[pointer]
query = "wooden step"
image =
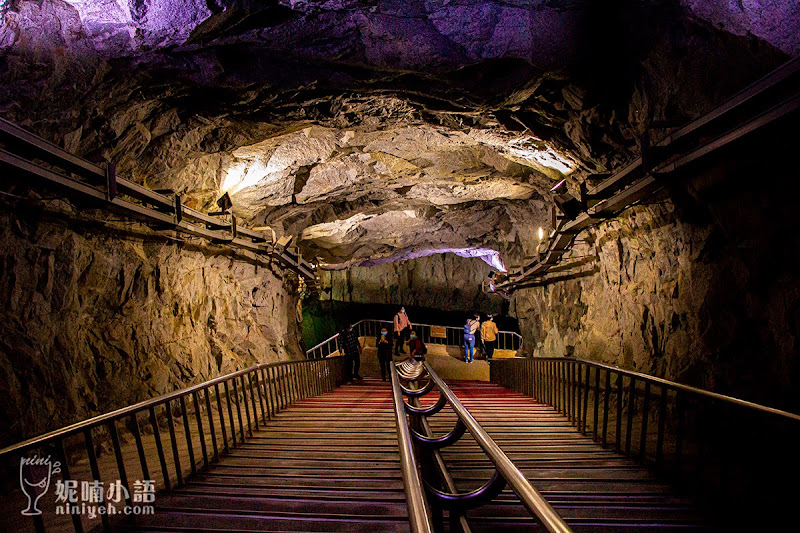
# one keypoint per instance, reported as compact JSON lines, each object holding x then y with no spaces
{"x":331,"y":463}
{"x":328,"y":463}
{"x":593,"y":488}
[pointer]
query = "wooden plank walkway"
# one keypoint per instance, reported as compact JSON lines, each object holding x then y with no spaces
{"x":593,"y":488}
{"x":80,"y":471}
{"x":330,"y":463}
{"x":326,"y":463}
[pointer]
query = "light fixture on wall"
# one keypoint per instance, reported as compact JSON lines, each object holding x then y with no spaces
{"x":544,"y":243}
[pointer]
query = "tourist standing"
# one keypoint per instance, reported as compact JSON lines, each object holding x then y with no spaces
{"x":469,"y":340}
{"x":489,"y":335}
{"x":352,"y":353}
{"x":476,"y":330}
{"x":402,"y":330}
{"x":384,"y":345}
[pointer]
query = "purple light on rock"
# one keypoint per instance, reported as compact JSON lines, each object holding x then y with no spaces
{"x":489,"y":256}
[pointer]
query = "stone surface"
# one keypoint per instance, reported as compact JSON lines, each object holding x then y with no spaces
{"x":700,"y":288}
{"x":441,"y":281}
{"x":775,"y":21}
{"x":91,"y":321}
{"x":315,"y":115}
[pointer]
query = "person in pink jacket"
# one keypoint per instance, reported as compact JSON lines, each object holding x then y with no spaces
{"x":402,"y":329}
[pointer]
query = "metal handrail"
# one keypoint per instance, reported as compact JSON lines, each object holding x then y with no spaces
{"x":360,"y":325}
{"x":720,"y":448}
{"x":680,"y":386}
{"x":419,"y":512}
{"x":329,"y":339}
{"x":640,"y":177}
{"x":252,"y":396}
{"x":438,"y":461}
{"x":99,"y":420}
{"x":530,"y":497}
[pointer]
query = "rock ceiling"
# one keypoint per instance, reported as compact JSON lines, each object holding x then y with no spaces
{"x":371,"y":130}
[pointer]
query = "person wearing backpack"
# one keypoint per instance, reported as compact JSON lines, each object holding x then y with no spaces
{"x":469,"y":339}
{"x":476,"y":330}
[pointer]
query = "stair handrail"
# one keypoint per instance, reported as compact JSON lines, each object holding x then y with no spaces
{"x":258,"y":393}
{"x":717,"y":447}
{"x":370,"y":327}
{"x":680,"y":386}
{"x":99,"y":420}
{"x":419,"y":513}
{"x":531,"y":498}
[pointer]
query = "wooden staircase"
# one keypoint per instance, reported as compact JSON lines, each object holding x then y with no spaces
{"x":593,"y":488}
{"x":286,"y":447}
{"x":330,"y":463}
{"x":326,"y":463}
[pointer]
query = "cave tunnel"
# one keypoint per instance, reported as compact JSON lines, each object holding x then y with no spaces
{"x":208,"y":206}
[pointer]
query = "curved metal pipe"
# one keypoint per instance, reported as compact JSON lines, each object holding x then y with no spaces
{"x":530,"y":497}
{"x":459,"y":520}
{"x":468,"y":500}
{"x":416,"y":393}
{"x":419,"y":512}
{"x":428,"y":411}
{"x":445,"y":440}
{"x":410,"y":370}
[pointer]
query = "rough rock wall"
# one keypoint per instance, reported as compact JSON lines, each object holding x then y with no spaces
{"x":91,"y":320}
{"x":700,"y":288}
{"x":775,"y":21}
{"x":475,"y":29}
{"x":442,"y":281}
{"x":339,"y":165}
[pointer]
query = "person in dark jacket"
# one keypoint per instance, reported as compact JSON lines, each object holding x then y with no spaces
{"x":384,"y":345}
{"x":416,"y":346}
{"x":352,"y":353}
